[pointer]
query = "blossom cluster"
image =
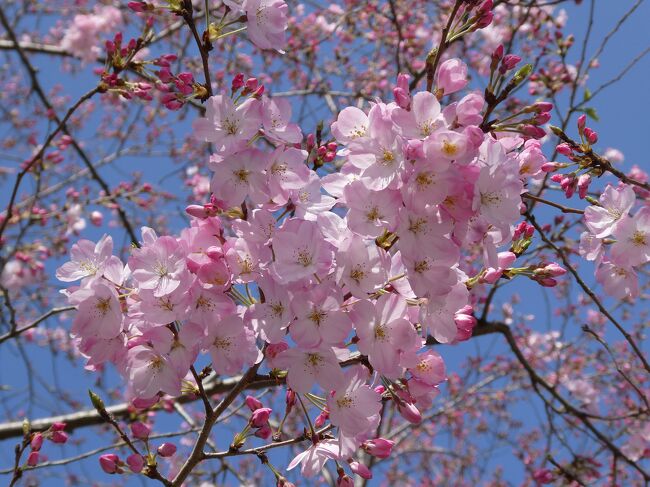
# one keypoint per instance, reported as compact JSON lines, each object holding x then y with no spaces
{"x":627,"y":238}
{"x":310,"y":269}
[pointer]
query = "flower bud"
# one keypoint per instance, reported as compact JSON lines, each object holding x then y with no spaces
{"x":554,"y":269}
{"x":583,"y":185}
{"x":260,"y":417}
{"x":452,"y":76}
{"x":402,"y":98}
{"x":379,"y":447}
{"x":32,"y":459}
{"x":582,"y":121}
{"x":264,"y":432}
{"x":290,"y":399}
{"x":145,"y":403}
{"x":166,"y":449}
{"x":532,"y":131}
{"x":491,"y":275}
{"x":135,"y":463}
{"x":140,"y":430}
{"x":361,"y":470}
{"x":253,"y":403}
{"x":542,"y":107}
{"x":109,"y":463}
{"x":591,"y":135}
{"x":37,"y":441}
{"x":409,"y":412}
{"x":96,"y":218}
{"x":237,"y":81}
{"x":321,"y":419}
{"x":59,"y":437}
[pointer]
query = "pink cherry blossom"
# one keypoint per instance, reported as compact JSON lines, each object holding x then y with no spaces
{"x":267,"y":21}
{"x":452,"y":76}
{"x":227,"y":126}
{"x":309,"y":366}
{"x":616,"y":203}
{"x":276,"y":116}
{"x":632,"y":246}
{"x":362,"y":266}
{"x":421,"y":120}
{"x":300,"y":251}
{"x":231,"y":345}
{"x":386,"y":336}
{"x":353,"y":406}
{"x":160,"y":265}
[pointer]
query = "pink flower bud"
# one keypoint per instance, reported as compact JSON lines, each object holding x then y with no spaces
{"x":582,"y":121}
{"x":96,"y":218}
{"x":311,"y":141}
{"x":509,"y":62}
{"x":197,"y":211}
{"x":541,"y":118}
{"x":402,"y":98}
{"x":486,"y":6}
{"x":264,"y":432}
{"x":144,"y":402}
{"x":140,"y":430}
{"x":109,"y":463}
{"x":380,"y":389}
{"x":321,"y":418}
{"x":260,"y":417}
{"x":532,"y":131}
{"x":253,"y":403}
{"x":251,"y":84}
{"x":465,"y":323}
{"x":557,"y":178}
{"x":409,"y":412}
{"x":498,"y":53}
{"x":452,"y":76}
{"x":554,"y":269}
{"x":492,"y":275}
{"x":530,"y":230}
{"x":543,"y":476}
{"x":547,"y":282}
{"x":237,"y":81}
{"x":32,"y":459}
{"x":135,"y":463}
{"x":591,"y":135}
{"x":166,"y":449}
{"x":59,"y":426}
{"x":549,"y":166}
{"x":290,"y":399}
{"x":542,"y":107}
{"x":484,"y":20}
{"x":37,"y":441}
{"x":506,"y":259}
{"x":361,"y":470}
{"x":59,"y":437}
{"x":583,"y":185}
{"x":137,"y":6}
{"x":379,"y":447}
{"x":329,"y":156}
{"x":332,"y":146}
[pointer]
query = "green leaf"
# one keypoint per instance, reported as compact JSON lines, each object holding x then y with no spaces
{"x":591,"y":113}
{"x":587,"y":95}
